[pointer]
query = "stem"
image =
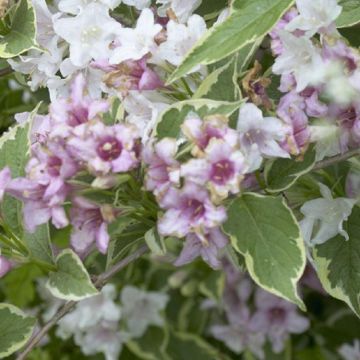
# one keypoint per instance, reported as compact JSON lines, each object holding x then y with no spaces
{"x":99,"y":283}
{"x":6,"y":71}
{"x":335,"y":159}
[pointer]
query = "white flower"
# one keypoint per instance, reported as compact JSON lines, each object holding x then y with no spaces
{"x":259,"y":136}
{"x":136,"y":43}
{"x":141,"y":309}
{"x":326,"y":136}
{"x":326,"y":215}
{"x":89,"y":34}
{"x":181,"y":8}
{"x":143,"y":111}
{"x":42,"y":66}
{"x":139,"y":4}
{"x":94,"y":324}
{"x":44,"y":23}
{"x":180,"y":39}
{"x":102,"y":339}
{"x":301,"y":58}
{"x":74,"y":7}
{"x":314,"y":15}
{"x":350,"y":352}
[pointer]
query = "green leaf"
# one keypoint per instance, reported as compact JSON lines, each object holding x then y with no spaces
{"x":352,"y":35}
{"x":71,"y":281}
{"x":19,"y":284}
{"x":14,"y":152}
{"x":350,"y":14}
{"x":265,"y":231}
{"x":182,"y":344}
{"x":170,"y":121}
{"x":15,"y":328}
{"x":152,"y":345}
{"x":155,"y":242}
{"x":221,"y":84}
{"x":23,"y":31}
{"x":39,"y":244}
{"x":249,"y":20}
{"x":281,"y":174}
{"x":338,"y":263}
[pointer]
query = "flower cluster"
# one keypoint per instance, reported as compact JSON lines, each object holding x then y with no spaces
{"x":69,"y":141}
{"x":192,"y":182}
{"x":271,"y":319}
{"x":319,"y":78}
{"x":96,"y":323}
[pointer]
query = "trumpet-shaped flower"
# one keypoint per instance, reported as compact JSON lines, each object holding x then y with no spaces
{"x":350,"y":352}
{"x":89,"y":223}
{"x":105,"y":149}
{"x":130,"y":75}
{"x":325,"y":215}
{"x":182,"y":9}
{"x":78,"y":109}
{"x":138,"y":42}
{"x":315,"y":16}
{"x":277,"y":318}
{"x":180,"y":39}
{"x":189,"y":210}
{"x":301,"y":58}
{"x":163,"y":169}
{"x":207,"y":247}
{"x":200,"y":132}
{"x":142,"y":309}
{"x":89,"y":34}
{"x":261,"y":133}
{"x":221,"y":169}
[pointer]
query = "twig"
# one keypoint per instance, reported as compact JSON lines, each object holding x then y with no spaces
{"x":6,"y":71}
{"x":99,"y":283}
{"x":335,"y":159}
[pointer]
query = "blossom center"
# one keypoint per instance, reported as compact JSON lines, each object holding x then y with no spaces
{"x":195,"y":208}
{"x":348,"y":117}
{"x":222,"y":171}
{"x":109,"y":148}
{"x":277,"y":315}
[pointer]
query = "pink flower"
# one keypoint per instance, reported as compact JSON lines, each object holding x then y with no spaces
{"x":202,"y":131}
{"x":44,"y":190}
{"x":5,"y":178}
{"x":277,"y":318}
{"x":207,"y":247}
{"x":5,"y":266}
{"x":291,"y":109}
{"x":37,"y":208}
{"x":342,"y":52}
{"x":105,"y":149}
{"x":89,"y":223}
{"x":222,"y":169}
{"x":189,"y":210}
{"x":79,"y":109}
{"x":163,"y":169}
{"x":130,"y":75}
{"x":276,"y":43}
{"x":349,"y":121}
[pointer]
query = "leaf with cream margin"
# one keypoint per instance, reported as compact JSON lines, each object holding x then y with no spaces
{"x":248,"y":21}
{"x":71,"y":281}
{"x":16,"y":329}
{"x":264,"y":230}
{"x":338,"y":263}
